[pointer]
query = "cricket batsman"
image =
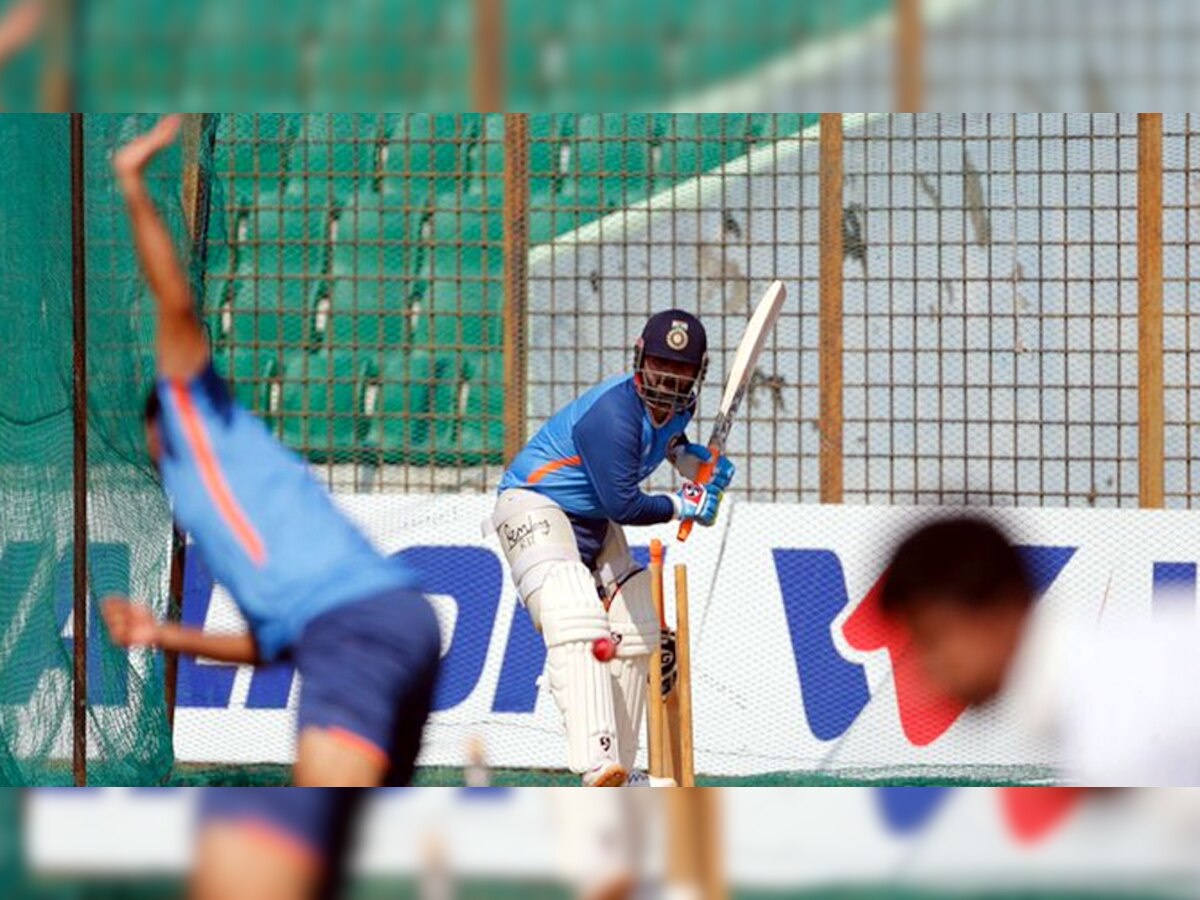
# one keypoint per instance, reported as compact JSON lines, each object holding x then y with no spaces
{"x":559,"y":517}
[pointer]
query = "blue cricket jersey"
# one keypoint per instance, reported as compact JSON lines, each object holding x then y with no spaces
{"x":592,"y":456}
{"x":267,"y":530}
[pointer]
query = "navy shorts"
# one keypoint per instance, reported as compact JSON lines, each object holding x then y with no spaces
{"x":315,"y":825}
{"x":368,"y":671}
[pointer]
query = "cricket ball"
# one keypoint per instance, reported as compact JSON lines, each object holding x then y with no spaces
{"x":603,"y":649}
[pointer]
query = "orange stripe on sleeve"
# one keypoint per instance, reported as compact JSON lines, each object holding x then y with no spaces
{"x":553,"y":466}
{"x":214,"y":479}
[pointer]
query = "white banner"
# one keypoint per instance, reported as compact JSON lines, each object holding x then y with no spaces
{"x":791,"y":665}
{"x":807,"y":837}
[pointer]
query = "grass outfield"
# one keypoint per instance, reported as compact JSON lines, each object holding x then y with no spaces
{"x":484,"y":889}
{"x":272,"y":775}
{"x":448,"y":776}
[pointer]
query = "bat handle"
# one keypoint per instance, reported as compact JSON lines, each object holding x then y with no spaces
{"x":703,"y":476}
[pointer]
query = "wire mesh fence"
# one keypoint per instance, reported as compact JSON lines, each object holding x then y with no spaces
{"x":1181,"y":366}
{"x":992,"y":309}
{"x":356,"y":291}
{"x":353,"y":289}
{"x":404,"y":299}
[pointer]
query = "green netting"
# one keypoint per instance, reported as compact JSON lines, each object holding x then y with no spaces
{"x":128,"y":520}
{"x":35,"y":441}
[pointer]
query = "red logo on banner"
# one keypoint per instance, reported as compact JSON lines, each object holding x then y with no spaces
{"x":925,"y":712}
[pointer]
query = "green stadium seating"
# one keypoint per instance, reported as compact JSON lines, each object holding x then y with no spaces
{"x":479,"y":433}
{"x":547,"y":221}
{"x":373,"y":50}
{"x":268,"y":311}
{"x":457,"y":297}
{"x":374,"y":235}
{"x":691,"y":144}
{"x":250,"y":153}
{"x":424,"y":154}
{"x":331,"y":155}
{"x":370,"y":279}
{"x":485,"y":159}
{"x":284,"y":233}
{"x":282,"y":256}
{"x":545,"y":151}
{"x":626,"y":73}
{"x":608,"y":162}
{"x":322,"y":412}
{"x":252,"y":374}
{"x":411,"y":383}
{"x":769,"y":126}
{"x":219,"y":256}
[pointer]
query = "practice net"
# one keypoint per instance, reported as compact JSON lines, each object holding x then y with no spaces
{"x":353,"y":276}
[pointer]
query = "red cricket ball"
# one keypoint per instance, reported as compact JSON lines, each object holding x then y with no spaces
{"x":603,"y":649}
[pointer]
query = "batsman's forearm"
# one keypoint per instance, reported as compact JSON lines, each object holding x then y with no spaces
{"x":645,"y":509}
{"x":235,"y":648}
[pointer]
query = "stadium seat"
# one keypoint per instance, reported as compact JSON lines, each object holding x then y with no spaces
{"x":253,"y":376}
{"x":284,"y":233}
{"x":331,"y":155}
{"x":250,"y":152}
{"x":485,"y":159}
{"x":282,"y":252}
{"x":625,"y":73}
{"x":545,"y":156}
{"x":547,"y":221}
{"x":719,"y":45}
{"x":607,"y":161}
{"x":225,"y":52}
{"x":401,"y":424}
{"x":413,"y":50}
{"x":374,"y":234}
{"x":322,"y":409}
{"x":690,"y":144}
{"x":479,"y":433}
{"x":424,"y":156}
{"x":457,"y":297}
{"x":219,"y":255}
{"x":370,"y":280}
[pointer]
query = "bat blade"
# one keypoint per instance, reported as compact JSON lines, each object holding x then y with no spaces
{"x":758,"y":331}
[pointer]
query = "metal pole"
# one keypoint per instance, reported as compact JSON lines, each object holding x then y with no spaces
{"x":79,"y":553}
{"x":1150,"y":311}
{"x":909,"y":81}
{"x":830,"y":327}
{"x":487,"y":77}
{"x":516,"y":264}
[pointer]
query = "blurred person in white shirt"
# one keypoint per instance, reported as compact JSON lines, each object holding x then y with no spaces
{"x":1119,"y":698}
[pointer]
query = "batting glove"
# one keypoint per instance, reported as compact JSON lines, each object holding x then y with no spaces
{"x":697,"y":502}
{"x":688,"y":458}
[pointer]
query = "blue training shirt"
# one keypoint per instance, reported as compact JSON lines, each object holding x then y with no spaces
{"x":592,"y":456}
{"x":268,"y":531}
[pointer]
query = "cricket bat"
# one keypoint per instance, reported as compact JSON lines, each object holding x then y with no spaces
{"x":753,"y":341}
